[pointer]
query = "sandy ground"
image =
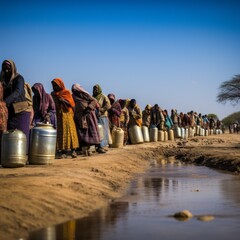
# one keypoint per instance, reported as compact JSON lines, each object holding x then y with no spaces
{"x":33,"y":197}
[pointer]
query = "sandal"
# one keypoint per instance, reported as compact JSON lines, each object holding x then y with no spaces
{"x":74,"y":154}
{"x":64,"y":155}
{"x":101,"y":150}
{"x":89,"y":153}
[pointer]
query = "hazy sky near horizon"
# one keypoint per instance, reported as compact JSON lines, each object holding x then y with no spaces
{"x":174,"y":53}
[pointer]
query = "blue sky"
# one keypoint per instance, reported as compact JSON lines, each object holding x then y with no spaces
{"x":174,"y":53}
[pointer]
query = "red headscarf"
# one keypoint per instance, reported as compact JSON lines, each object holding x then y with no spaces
{"x":64,"y":93}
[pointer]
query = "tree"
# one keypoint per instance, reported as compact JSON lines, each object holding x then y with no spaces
{"x":232,"y":118}
{"x":230,"y":91}
{"x":212,"y":115}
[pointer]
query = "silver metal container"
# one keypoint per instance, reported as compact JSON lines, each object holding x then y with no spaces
{"x":42,"y":144}
{"x":177,"y":132}
{"x":135,"y":134}
{"x":14,"y":146}
{"x":183,"y":133}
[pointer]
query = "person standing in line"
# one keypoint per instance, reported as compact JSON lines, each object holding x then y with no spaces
{"x":114,"y":112}
{"x":135,"y":114}
{"x":124,"y":119}
{"x":200,"y":120}
{"x":185,"y":120}
{"x":174,"y":117}
{"x":168,"y":120}
{"x":67,"y":139}
{"x":14,"y":97}
{"x":181,"y":117}
{"x":102,"y":114}
{"x":192,"y":119}
{"x":218,"y":124}
{"x":157,"y":118}
{"x":146,"y":116}
{"x":211,"y":123}
{"x":43,"y":106}
{"x":85,"y":118}
{"x":205,"y":122}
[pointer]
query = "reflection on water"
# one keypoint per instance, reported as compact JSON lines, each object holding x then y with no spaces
{"x":90,"y":227}
{"x":144,"y":212}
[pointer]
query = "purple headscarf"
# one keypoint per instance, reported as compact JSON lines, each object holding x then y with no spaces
{"x":43,"y":100}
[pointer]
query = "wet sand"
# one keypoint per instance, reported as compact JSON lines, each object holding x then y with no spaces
{"x":34,"y":197}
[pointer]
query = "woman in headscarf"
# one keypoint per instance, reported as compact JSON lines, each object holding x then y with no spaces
{"x":124,"y":119}
{"x":14,"y":97}
{"x":146,"y":116}
{"x":43,"y":106}
{"x":3,"y":116}
{"x":135,"y":114}
{"x":157,"y":118}
{"x":175,"y":118}
{"x":102,"y":114}
{"x":85,"y":118}
{"x":168,"y":120}
{"x":67,"y":138}
{"x":114,"y":112}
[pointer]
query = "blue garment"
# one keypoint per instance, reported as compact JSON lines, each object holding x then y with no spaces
{"x":168,"y":122}
{"x":14,"y":92}
{"x":103,"y":120}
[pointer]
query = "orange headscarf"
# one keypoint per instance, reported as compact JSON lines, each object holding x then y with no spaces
{"x":64,"y":93}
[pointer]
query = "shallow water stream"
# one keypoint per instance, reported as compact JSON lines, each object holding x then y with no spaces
{"x":145,"y":212}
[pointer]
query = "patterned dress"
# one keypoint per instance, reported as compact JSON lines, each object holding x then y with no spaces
{"x":66,"y":129}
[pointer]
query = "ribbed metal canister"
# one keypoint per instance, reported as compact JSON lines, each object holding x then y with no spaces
{"x":14,"y":146}
{"x":42,"y":144}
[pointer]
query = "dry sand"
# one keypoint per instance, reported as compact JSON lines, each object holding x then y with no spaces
{"x":34,"y":197}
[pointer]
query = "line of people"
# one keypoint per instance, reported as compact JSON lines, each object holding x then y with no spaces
{"x":156,"y":117}
{"x":76,"y":114}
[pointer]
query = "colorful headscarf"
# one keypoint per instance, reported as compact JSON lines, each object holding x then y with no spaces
{"x":97,"y":95}
{"x":111,"y":96}
{"x":64,"y":93}
{"x":43,"y":102}
{"x":81,"y":93}
{"x":77,"y":87}
{"x":122,"y":103}
{"x":14,"y":71}
{"x":148,"y":107}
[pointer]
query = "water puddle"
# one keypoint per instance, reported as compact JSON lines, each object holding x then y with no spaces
{"x":144,"y":213}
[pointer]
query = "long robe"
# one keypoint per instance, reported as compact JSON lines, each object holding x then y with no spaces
{"x":86,"y":121}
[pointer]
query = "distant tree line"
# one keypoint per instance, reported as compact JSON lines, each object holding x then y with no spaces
{"x":231,"y":119}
